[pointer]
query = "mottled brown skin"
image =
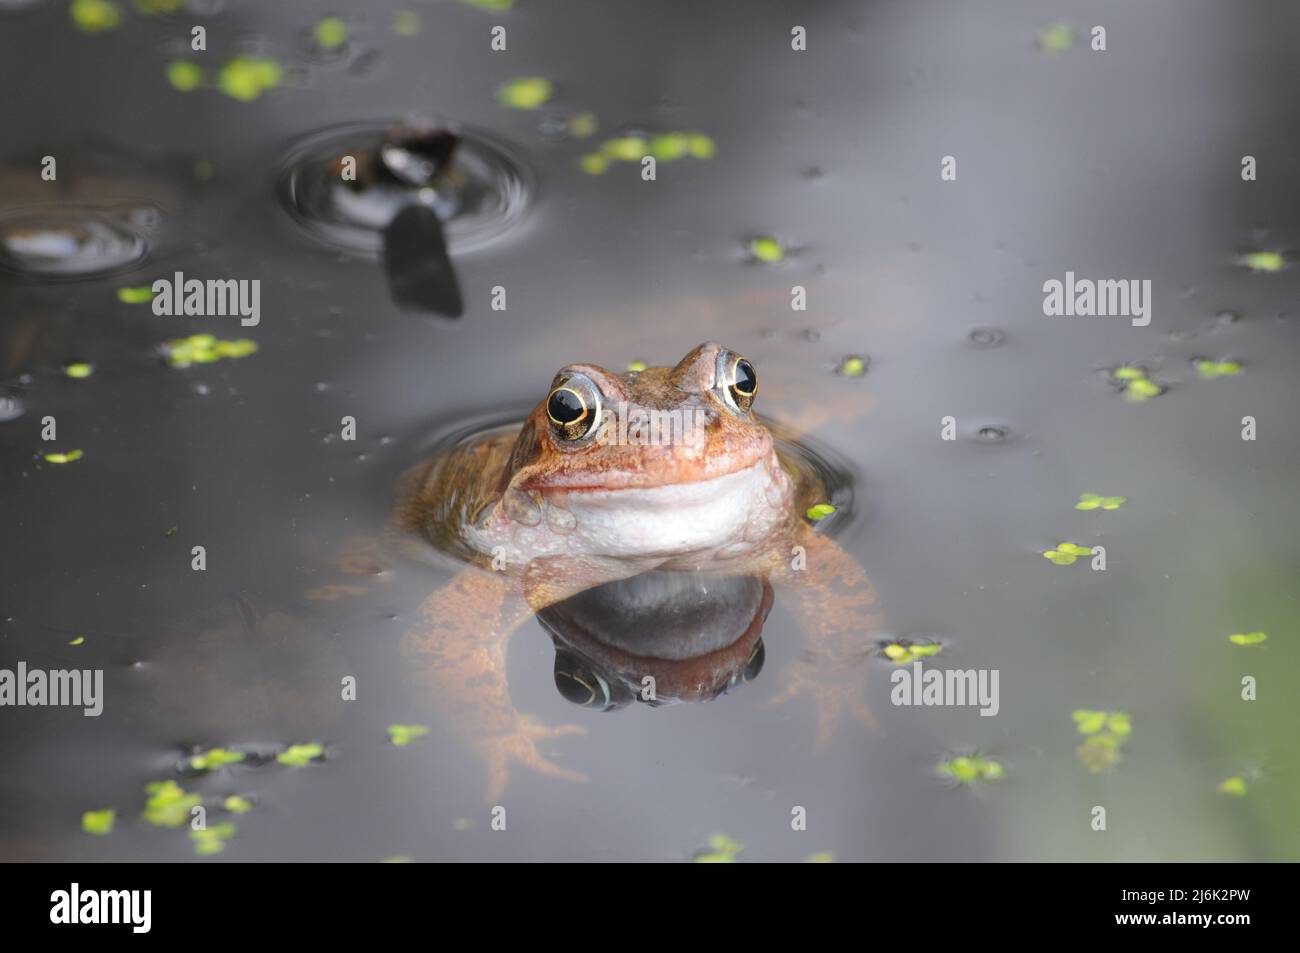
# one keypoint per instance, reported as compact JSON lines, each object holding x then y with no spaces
{"x":474,"y":488}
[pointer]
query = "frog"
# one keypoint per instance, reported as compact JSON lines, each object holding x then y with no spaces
{"x":664,"y":469}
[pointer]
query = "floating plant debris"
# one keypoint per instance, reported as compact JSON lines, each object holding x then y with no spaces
{"x":594,"y":164}
{"x":138,"y":295}
{"x":330,"y":33}
{"x":300,"y":755}
{"x":215,"y":758}
{"x":95,"y":16}
{"x":820,"y":511}
{"x":70,"y":456}
{"x":99,"y":822}
{"x":1248,"y":638}
{"x":213,"y":840}
{"x":721,"y":850}
{"x":1136,"y":385}
{"x":664,"y":146}
{"x":79,"y":371}
{"x":1234,"y":786}
{"x":492,"y":6}
{"x":1105,"y":733}
{"x":531,"y":92}
{"x":406,"y":23}
{"x":79,"y":640}
{"x":204,"y":349}
{"x":583,"y":125}
{"x":184,"y":75}
{"x":1263,"y":261}
{"x":237,"y":805}
{"x":904,"y":652}
{"x":820,"y":857}
{"x":168,"y":804}
{"x":1211,"y":369}
{"x":402,"y":735}
{"x":1066,"y":553}
{"x":853,"y":366}
{"x":247,"y":77}
{"x":766,"y":249}
{"x":156,"y":7}
{"x":1093,"y":501}
{"x":636,"y":367}
{"x":1056,"y":38}
{"x":969,"y":769}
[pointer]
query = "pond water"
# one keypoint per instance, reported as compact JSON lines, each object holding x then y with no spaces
{"x":1122,"y":164}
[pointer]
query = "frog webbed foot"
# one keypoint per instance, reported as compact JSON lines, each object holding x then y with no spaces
{"x":834,"y":693}
{"x":520,"y":745}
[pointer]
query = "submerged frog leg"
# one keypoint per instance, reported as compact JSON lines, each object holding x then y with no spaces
{"x":460,"y":647}
{"x":837,"y":612}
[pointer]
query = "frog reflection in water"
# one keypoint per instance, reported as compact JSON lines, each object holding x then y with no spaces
{"x":585,"y":494}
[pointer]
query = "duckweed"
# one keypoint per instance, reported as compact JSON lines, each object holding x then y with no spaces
{"x":766,"y":249}
{"x":1211,"y":369}
{"x":1093,"y":501}
{"x":904,"y":653}
{"x":1105,"y":733}
{"x":594,"y":164}
{"x":299,"y":755}
{"x":245,"y":78}
{"x":185,"y":76}
{"x":852,"y":366}
{"x":95,"y":16}
{"x":583,"y":125}
{"x":969,"y":769}
{"x":820,"y":857}
{"x":330,"y":33}
{"x":215,"y":759}
{"x":213,"y":840}
{"x":79,"y":640}
{"x":168,"y":804}
{"x":1248,"y":638}
{"x":1056,"y":38}
{"x":140,"y":295}
{"x":1066,"y":553}
{"x":99,"y":822}
{"x":820,"y":511}
{"x":402,"y":735}
{"x":1267,"y":261}
{"x":204,"y":349}
{"x":79,"y":371}
{"x":406,"y":23}
{"x":1234,"y":786}
{"x":636,"y":367}
{"x":721,"y":850}
{"x":70,"y":457}
{"x":531,"y":92}
{"x":237,"y":805}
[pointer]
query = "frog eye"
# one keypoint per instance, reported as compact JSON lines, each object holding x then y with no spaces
{"x":738,"y":381}
{"x":573,"y":408}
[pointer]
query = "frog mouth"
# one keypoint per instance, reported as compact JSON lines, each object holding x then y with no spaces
{"x":651,"y":472}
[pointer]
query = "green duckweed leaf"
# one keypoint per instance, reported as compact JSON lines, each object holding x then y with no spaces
{"x":402,"y":735}
{"x":531,"y":92}
{"x":99,"y":823}
{"x":300,"y":755}
{"x":1248,"y":638}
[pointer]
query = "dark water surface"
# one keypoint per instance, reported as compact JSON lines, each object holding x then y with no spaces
{"x":1122,"y":164}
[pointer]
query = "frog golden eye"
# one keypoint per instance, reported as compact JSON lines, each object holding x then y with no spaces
{"x":738,"y":380}
{"x":573,"y":407}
